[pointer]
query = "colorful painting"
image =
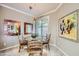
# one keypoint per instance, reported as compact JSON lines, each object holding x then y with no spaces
{"x":28,"y":28}
{"x":68,"y":26}
{"x":11,"y":27}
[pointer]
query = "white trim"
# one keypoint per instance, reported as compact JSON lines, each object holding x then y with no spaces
{"x":52,"y":11}
{"x":31,"y":14}
{"x":8,"y":47}
{"x":16,"y":10}
{"x":59,"y":49}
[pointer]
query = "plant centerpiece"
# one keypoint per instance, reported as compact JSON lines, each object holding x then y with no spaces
{"x":33,"y":35}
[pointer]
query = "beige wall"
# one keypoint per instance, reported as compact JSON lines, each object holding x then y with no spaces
{"x":52,"y":27}
{"x":69,"y":47}
{"x":1,"y":41}
{"x":7,"y":41}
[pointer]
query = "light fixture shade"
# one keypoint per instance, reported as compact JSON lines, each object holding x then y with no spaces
{"x":34,"y":18}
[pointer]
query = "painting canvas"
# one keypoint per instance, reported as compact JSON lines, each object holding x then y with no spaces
{"x":28,"y":28}
{"x":11,"y":27}
{"x":68,"y":26}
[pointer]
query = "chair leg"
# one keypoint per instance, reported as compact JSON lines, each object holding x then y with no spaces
{"x":41,"y":52}
{"x":19,"y":48}
{"x":48,"y":46}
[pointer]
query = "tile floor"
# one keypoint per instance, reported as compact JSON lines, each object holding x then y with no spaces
{"x":14,"y":52}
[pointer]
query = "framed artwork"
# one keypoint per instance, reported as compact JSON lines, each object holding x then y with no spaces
{"x":28,"y":28}
{"x":68,"y":26}
{"x":11,"y":27}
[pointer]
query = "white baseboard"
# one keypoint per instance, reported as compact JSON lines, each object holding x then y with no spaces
{"x":59,"y":49}
{"x":8,"y":47}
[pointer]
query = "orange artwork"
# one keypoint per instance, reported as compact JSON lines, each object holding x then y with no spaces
{"x":68,"y":26}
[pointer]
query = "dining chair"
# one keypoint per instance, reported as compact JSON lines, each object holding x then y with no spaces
{"x":22,"y":43}
{"x":47,"y":42}
{"x":35,"y":48}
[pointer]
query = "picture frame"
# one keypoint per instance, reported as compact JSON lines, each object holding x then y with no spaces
{"x":28,"y":28}
{"x":11,"y":27}
{"x":68,"y":26}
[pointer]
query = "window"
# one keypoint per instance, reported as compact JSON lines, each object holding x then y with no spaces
{"x":42,"y":27}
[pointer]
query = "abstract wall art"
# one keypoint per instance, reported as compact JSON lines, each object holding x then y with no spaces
{"x":68,"y":26}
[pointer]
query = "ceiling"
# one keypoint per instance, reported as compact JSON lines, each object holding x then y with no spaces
{"x":37,"y":8}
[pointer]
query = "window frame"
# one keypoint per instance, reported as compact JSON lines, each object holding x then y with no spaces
{"x":41,"y":19}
